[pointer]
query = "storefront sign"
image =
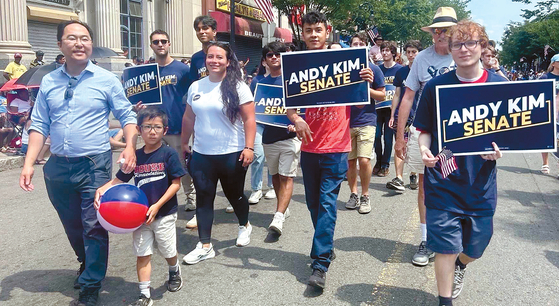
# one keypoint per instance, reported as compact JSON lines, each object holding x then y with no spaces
{"x":240,"y":10}
{"x":518,"y":116}
{"x":62,"y":2}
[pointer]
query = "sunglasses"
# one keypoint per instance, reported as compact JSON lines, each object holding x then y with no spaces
{"x":69,"y":93}
{"x":439,"y":31}
{"x":162,"y":41}
{"x":272,"y":54}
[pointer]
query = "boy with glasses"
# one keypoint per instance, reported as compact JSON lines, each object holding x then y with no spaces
{"x":460,"y":206}
{"x":429,"y":63}
{"x":157,"y":173}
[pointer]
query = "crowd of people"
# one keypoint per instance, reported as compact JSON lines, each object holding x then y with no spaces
{"x":205,"y":132}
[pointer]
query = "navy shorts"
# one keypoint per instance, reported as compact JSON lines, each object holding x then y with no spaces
{"x":454,"y":233}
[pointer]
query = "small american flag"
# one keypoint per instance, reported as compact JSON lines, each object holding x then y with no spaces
{"x":266,"y":7}
{"x":373,"y":33}
{"x":448,"y":162}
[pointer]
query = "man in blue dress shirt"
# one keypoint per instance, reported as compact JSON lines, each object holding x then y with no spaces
{"x":73,"y":107}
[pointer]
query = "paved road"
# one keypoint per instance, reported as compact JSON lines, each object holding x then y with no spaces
{"x":520,"y":267}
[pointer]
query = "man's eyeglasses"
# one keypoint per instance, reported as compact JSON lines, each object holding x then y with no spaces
{"x":470,"y":44}
{"x":148,"y":128}
{"x":439,"y":31}
{"x":162,"y":41}
{"x":86,"y":40}
{"x":272,"y":54}
{"x":69,"y":93}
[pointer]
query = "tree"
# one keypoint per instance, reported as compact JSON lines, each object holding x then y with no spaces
{"x":543,"y":8}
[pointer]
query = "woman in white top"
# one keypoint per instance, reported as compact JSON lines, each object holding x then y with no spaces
{"x":220,"y":112}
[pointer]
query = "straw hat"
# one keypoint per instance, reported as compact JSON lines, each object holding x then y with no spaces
{"x":444,"y":17}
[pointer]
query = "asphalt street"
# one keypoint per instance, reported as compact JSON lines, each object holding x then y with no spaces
{"x":520,"y":266}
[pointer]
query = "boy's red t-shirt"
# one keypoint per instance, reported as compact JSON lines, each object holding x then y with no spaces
{"x":330,"y":128}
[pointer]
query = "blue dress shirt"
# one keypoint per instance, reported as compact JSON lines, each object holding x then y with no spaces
{"x":79,"y":126}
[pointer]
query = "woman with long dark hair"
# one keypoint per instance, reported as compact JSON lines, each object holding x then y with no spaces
{"x":220,"y":112}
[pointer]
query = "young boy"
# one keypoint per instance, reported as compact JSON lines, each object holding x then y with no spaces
{"x":158,"y":172}
{"x":460,"y":207}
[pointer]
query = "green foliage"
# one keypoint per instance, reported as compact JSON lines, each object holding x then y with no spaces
{"x":542,"y":8}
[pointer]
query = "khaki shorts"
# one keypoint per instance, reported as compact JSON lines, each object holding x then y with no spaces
{"x":362,"y":141}
{"x":413,"y":155}
{"x":283,"y":156}
{"x":161,"y":230}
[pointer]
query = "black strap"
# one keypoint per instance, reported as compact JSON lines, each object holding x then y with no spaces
{"x":445,"y":19}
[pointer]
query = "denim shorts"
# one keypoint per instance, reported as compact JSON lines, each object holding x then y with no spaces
{"x":454,"y":233}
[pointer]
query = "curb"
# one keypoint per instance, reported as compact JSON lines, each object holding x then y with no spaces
{"x":10,"y":162}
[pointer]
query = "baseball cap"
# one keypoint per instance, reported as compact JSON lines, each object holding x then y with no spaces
{"x":17,"y":55}
{"x":555,"y":58}
{"x":39,"y":53}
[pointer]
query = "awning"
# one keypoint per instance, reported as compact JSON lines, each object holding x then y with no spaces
{"x":49,"y":15}
{"x":246,"y":27}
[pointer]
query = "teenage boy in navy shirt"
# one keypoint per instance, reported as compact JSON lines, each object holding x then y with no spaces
{"x":158,"y":174}
{"x":460,"y":207}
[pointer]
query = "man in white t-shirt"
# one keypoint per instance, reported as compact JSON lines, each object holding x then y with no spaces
{"x":429,"y":63}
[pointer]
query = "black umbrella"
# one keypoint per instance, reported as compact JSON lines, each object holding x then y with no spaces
{"x":100,"y":52}
{"x":34,"y":76}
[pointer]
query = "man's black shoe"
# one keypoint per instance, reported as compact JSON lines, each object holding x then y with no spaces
{"x":317,"y":279}
{"x":80,"y":271}
{"x":88,"y":297}
{"x":332,"y":256}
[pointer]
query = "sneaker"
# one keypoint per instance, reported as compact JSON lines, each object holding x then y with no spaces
{"x":317,"y":279}
{"x":198,"y":254}
{"x":87,"y":297}
{"x":190,"y":203}
{"x":332,"y":255}
{"x":384,"y":171}
{"x":458,"y":281}
{"x":353,"y":201}
{"x":229,"y":209}
{"x":243,"y":238}
{"x":287,"y":213}
{"x":174,"y":283}
{"x":413,"y":181}
{"x":396,"y":184}
{"x":423,"y":255}
{"x":364,"y":204}
{"x":192,"y":223}
{"x":270,"y":194}
{"x":80,"y":271}
{"x":143,"y":301}
{"x":277,"y":223}
{"x":255,"y":197}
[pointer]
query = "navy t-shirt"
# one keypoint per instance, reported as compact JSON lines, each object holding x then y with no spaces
{"x":400,"y":81}
{"x":472,"y":188}
{"x":272,"y":134}
{"x":367,"y":115}
{"x":154,"y":173}
{"x":174,"y":79}
{"x":389,"y":76}
{"x":256,"y":80}
{"x":198,"y":66}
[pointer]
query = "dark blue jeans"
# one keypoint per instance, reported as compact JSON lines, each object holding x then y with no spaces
{"x":323,"y":175}
{"x":383,"y":154}
{"x":71,"y":184}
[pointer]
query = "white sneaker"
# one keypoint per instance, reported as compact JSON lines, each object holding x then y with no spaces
{"x":243,"y":239}
{"x":277,"y":223}
{"x":190,"y":203}
{"x":287,"y":213}
{"x":192,"y":223}
{"x":198,"y":254}
{"x":229,"y":209}
{"x":255,"y":197}
{"x":270,"y":194}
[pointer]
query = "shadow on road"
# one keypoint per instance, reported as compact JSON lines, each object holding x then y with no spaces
{"x":553,"y":257}
{"x":379,"y":248}
{"x":359,"y":294}
{"x":62,"y":281}
{"x":516,"y":170}
{"x":295,"y":263}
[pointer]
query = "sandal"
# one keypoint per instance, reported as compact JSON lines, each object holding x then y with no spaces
{"x":545,"y":169}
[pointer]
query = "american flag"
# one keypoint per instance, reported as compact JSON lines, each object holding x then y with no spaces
{"x":373,"y":33}
{"x":448,"y":162}
{"x":266,"y":7}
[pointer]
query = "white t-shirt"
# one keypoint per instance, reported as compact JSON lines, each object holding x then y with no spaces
{"x":22,"y":106}
{"x":427,"y":65}
{"x":214,"y":134}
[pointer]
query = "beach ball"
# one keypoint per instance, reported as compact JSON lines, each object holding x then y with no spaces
{"x":123,"y":209}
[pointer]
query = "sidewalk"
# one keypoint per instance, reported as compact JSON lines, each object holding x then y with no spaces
{"x":10,"y":161}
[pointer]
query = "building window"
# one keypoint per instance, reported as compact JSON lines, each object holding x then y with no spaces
{"x":131,"y":27}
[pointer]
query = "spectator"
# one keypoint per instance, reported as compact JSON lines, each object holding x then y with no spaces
{"x":15,"y":69}
{"x":60,"y":59}
{"x":38,"y":61}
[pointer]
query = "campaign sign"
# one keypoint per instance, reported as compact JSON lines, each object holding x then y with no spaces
{"x":322,"y":78}
{"x":141,"y":83}
{"x":268,"y":101}
{"x":390,"y":90}
{"x":518,"y":116}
